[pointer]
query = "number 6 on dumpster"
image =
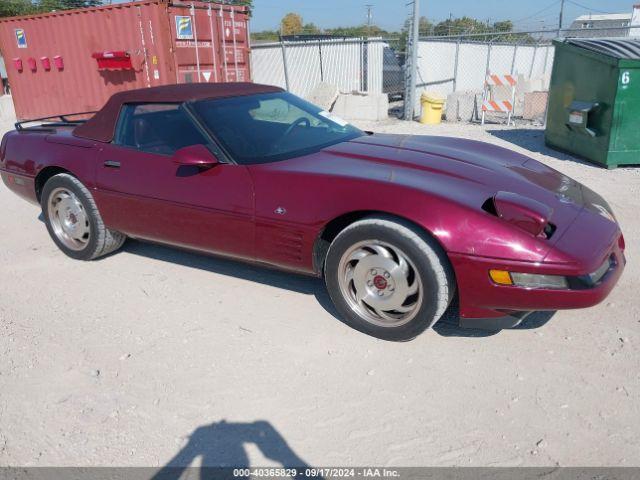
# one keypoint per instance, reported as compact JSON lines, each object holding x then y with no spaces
{"x":625,"y":79}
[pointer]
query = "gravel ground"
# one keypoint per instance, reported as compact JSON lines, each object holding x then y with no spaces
{"x":154,"y":356}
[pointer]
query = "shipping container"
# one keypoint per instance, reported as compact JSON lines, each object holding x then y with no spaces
{"x":74,"y":60}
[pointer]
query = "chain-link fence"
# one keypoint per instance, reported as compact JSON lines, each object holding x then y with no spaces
{"x":352,"y":64}
{"x":488,"y":76}
{"x":494,"y":76}
{"x":504,"y":76}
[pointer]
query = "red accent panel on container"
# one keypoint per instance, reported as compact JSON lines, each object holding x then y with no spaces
{"x":58,"y":62}
{"x":33,"y":65}
{"x":113,"y":60}
{"x":46,"y":63}
{"x":17,"y":62}
{"x":145,"y":29}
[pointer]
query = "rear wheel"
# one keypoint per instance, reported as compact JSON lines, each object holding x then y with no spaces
{"x":388,"y":279}
{"x":73,"y":219}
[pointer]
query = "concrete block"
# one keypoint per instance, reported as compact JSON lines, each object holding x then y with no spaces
{"x":7,"y":110}
{"x":535,"y":105}
{"x":463,"y":106}
{"x":360,"y":106}
{"x":323,"y":95}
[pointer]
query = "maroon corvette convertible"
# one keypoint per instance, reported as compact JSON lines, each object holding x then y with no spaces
{"x":397,"y":225}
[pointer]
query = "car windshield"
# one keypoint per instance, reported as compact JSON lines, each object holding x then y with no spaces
{"x":271,"y":127}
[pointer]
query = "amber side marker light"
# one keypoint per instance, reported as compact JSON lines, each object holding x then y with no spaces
{"x":501,"y":277}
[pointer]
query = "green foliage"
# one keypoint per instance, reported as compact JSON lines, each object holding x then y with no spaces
{"x":245,"y":3}
{"x":12,"y":8}
{"x":310,"y":29}
{"x":459,"y":26}
{"x":359,"y":31}
{"x":50,"y":5}
{"x":265,"y":36}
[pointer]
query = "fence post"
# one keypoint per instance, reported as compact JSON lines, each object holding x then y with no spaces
{"x":284,"y":64}
{"x":411,"y":63}
{"x":546,"y":59}
{"x":485,"y":93}
{"x":365,"y":65}
{"x":320,"y":57}
{"x":513,"y":60}
{"x":488,"y":57}
{"x":455,"y":66}
{"x":533,"y":60}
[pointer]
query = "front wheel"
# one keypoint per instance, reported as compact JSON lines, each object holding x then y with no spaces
{"x":73,"y":219}
{"x":388,"y":279}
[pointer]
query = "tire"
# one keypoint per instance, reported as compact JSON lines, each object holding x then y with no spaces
{"x":73,"y":220}
{"x":396,"y":280}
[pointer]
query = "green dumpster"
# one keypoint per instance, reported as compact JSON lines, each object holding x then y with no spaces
{"x":594,"y":100}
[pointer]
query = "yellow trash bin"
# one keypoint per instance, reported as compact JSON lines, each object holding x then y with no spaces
{"x":432,"y":105}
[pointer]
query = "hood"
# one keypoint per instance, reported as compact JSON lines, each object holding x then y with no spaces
{"x":465,"y":171}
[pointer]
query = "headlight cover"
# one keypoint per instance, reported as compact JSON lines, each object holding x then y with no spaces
{"x":529,"y":280}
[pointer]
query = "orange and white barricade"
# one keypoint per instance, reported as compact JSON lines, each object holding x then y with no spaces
{"x":501,"y":106}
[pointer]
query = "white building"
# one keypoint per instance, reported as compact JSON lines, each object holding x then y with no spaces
{"x":601,"y":25}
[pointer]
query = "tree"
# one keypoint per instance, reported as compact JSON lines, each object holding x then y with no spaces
{"x":310,"y":29}
{"x":12,"y":8}
{"x":264,"y":36}
{"x":50,"y":5}
{"x":359,"y":31}
{"x":425,"y":27}
{"x":245,"y":3}
{"x":503,"y":26}
{"x":291,"y":24}
{"x":459,"y":26}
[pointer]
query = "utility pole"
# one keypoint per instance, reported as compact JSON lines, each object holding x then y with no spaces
{"x":411,"y":63}
{"x":560,"y":19}
{"x":369,"y":19}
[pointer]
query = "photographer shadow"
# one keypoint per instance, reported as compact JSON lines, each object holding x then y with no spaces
{"x":221,"y":449}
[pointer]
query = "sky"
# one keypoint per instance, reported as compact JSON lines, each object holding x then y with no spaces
{"x":391,"y":14}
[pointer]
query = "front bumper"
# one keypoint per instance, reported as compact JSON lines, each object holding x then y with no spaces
{"x":484,"y":304}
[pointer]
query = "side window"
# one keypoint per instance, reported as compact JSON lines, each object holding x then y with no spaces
{"x":157,"y":128}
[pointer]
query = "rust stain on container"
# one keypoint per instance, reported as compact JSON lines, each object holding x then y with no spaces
{"x":74,"y":60}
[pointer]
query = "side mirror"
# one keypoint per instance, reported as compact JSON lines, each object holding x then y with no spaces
{"x":195,"y":156}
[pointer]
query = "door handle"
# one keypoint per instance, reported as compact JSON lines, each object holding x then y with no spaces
{"x":112,"y":164}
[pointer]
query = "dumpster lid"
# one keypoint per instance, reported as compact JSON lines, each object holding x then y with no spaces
{"x":627,"y":49}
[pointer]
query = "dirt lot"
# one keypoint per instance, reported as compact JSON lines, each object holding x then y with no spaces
{"x":154,"y":356}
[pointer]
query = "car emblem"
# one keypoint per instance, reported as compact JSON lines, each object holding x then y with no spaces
{"x":280,"y":211}
{"x":563,"y":198}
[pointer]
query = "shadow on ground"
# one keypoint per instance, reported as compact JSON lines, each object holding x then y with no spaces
{"x":221,"y":448}
{"x":448,"y":326}
{"x":532,"y":139}
{"x":266,"y":276}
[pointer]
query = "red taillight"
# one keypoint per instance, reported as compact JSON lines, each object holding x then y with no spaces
{"x":621,"y":242}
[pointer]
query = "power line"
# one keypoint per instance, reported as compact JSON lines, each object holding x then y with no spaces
{"x":588,"y":8}
{"x":538,"y":12}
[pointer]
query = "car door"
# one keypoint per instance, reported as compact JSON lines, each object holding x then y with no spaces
{"x":142,"y":192}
